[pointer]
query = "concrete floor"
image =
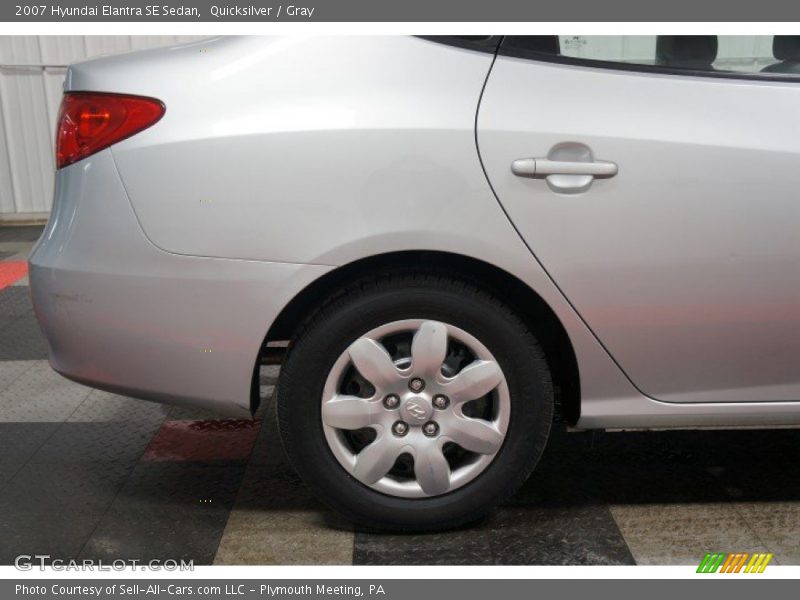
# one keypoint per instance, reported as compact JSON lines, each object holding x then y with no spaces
{"x":85,"y":473}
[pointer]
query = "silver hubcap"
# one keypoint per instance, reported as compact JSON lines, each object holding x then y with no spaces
{"x":434,"y":398}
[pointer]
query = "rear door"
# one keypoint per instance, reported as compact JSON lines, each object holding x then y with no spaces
{"x":658,"y":182}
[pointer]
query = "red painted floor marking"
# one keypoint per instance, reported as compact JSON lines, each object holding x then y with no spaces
{"x":203,"y":441}
{"x":12,"y":271}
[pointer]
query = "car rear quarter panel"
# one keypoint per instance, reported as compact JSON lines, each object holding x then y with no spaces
{"x":307,"y":150}
{"x":122,"y":315}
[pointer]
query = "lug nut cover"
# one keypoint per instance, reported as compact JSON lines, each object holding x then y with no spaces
{"x":441,"y":402}
{"x":430,"y":429}
{"x":416,"y":385}
{"x":400,"y":428}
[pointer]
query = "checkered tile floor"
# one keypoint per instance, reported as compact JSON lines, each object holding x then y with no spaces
{"x":85,"y":474}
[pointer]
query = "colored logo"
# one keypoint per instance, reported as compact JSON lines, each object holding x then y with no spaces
{"x":738,"y":562}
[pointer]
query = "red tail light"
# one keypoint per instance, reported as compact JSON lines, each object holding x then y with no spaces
{"x":91,"y":121}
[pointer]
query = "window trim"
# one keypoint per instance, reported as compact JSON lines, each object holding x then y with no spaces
{"x":504,"y":50}
{"x":489,"y":45}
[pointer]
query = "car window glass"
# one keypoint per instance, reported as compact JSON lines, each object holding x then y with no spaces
{"x":745,"y":54}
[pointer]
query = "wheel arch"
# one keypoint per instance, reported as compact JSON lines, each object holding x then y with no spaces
{"x":529,"y":305}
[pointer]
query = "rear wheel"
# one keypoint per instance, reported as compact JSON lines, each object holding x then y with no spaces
{"x":414,"y":402}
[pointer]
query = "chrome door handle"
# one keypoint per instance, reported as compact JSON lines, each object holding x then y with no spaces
{"x":540,"y":168}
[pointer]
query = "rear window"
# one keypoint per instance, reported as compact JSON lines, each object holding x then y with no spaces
{"x":743,"y":55}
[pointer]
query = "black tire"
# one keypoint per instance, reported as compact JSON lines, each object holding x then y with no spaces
{"x":371,"y":303}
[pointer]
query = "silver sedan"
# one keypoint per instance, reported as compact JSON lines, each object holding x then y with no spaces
{"x":448,"y":243}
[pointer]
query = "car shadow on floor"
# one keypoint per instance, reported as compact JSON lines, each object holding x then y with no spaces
{"x":666,"y":467}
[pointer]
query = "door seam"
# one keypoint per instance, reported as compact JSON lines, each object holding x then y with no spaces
{"x":527,"y":245}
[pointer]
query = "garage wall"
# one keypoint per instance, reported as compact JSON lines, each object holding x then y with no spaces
{"x":32,"y":70}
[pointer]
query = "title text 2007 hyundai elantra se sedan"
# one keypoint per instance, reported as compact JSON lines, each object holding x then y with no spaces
{"x":453,"y":241}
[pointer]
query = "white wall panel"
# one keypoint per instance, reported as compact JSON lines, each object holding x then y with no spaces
{"x":31,"y":77}
{"x":98,"y":45}
{"x":26,"y":124}
{"x":62,"y":49}
{"x":53,"y":90}
{"x":6,"y":190}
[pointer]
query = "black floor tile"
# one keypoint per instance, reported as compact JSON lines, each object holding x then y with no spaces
{"x":9,"y":468}
{"x":558,"y":536}
{"x":98,"y":443}
{"x":59,"y":535}
{"x":598,"y":468}
{"x":19,"y":441}
{"x":22,"y":339}
{"x":472,"y":546}
{"x":20,"y":335}
{"x":192,"y":537}
{"x":268,"y":450}
{"x":270,"y":482}
{"x":169,"y":489}
{"x":275,"y":488}
{"x":15,"y":301}
{"x":511,"y":536}
{"x":664,"y":467}
{"x":755,"y":465}
{"x":55,"y":488}
{"x":168,"y":510}
{"x":20,"y":233}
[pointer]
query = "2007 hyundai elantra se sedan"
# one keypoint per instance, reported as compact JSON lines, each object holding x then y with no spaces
{"x":449,"y":241}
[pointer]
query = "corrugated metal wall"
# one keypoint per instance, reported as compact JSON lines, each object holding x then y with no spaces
{"x":32,"y":70}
